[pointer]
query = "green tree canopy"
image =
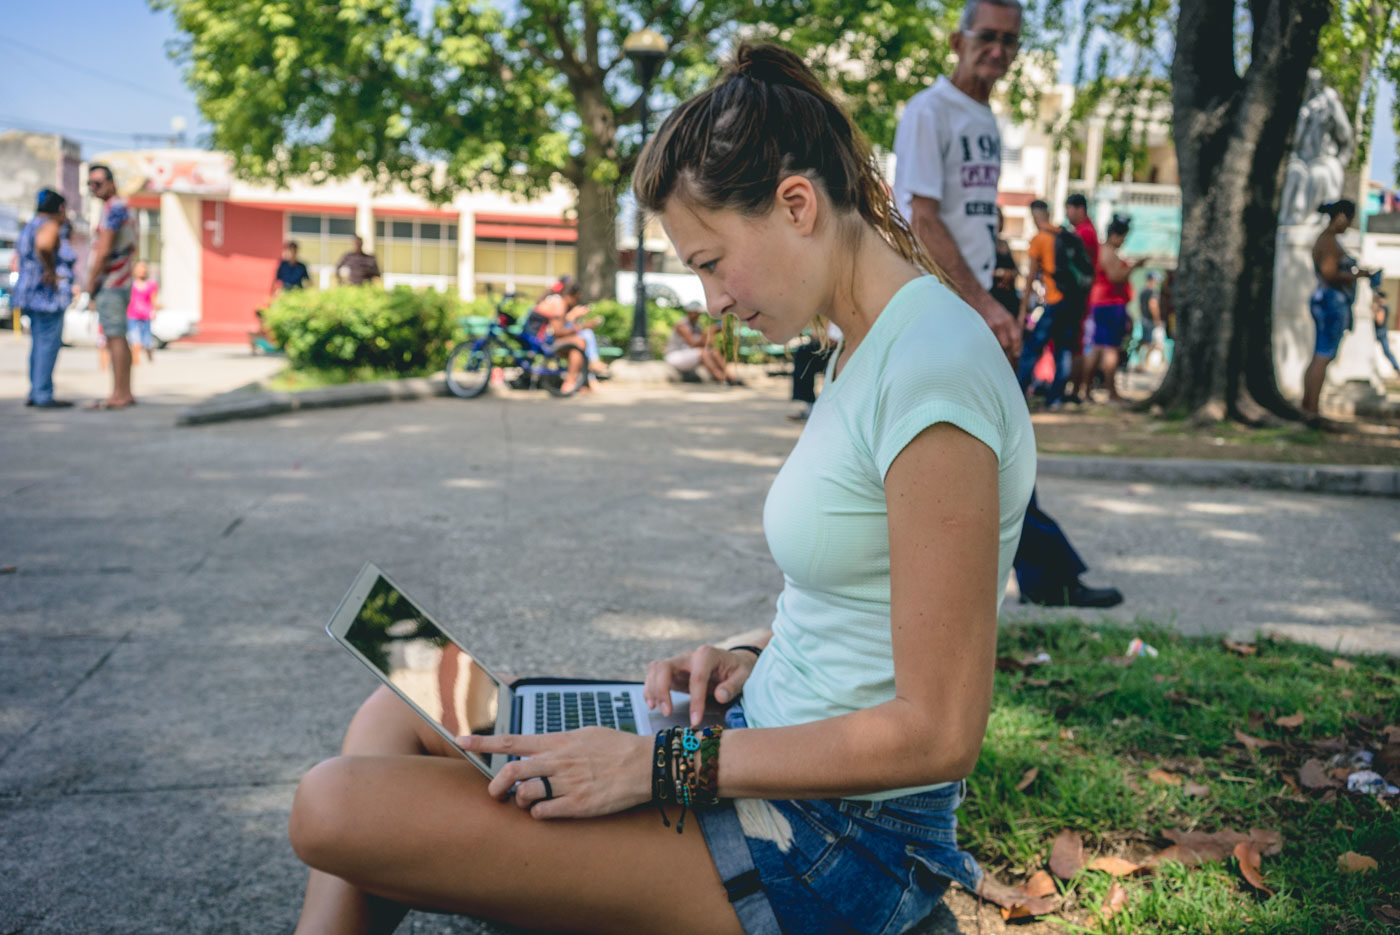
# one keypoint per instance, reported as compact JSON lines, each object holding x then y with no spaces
{"x":514,"y":96}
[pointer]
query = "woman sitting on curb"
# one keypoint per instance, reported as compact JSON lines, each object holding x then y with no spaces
{"x":691,"y":346}
{"x":828,"y":802}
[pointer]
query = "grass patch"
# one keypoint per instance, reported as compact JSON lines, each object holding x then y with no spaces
{"x":1095,"y":728}
{"x":290,"y":380}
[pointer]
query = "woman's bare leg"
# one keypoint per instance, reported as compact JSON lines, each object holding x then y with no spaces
{"x":384,"y":726}
{"x":422,"y":831}
{"x":1312,"y":383}
{"x":1110,"y":372}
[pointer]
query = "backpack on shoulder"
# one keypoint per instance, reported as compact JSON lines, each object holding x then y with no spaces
{"x":1074,"y":272}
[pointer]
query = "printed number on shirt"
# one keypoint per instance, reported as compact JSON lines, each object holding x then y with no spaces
{"x":988,"y":148}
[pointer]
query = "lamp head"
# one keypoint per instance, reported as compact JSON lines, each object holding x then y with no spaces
{"x":646,"y":49}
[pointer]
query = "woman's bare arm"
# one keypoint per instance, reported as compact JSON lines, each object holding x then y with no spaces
{"x":943,"y":568}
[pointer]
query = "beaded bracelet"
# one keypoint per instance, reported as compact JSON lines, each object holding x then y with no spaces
{"x":685,"y":769}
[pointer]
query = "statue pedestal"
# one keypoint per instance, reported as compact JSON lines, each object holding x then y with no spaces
{"x":1294,"y":282}
{"x":1354,"y":368}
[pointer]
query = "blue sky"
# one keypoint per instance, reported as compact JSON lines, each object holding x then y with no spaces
{"x":97,"y":71}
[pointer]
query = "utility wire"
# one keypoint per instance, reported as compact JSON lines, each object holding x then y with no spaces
{"x":77,"y":66}
{"x":44,"y":126}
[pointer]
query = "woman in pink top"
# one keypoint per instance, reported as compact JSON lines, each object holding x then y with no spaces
{"x":1108,"y":301}
{"x":139,"y":310}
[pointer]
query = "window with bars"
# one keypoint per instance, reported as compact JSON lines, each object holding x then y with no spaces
{"x":148,"y":229}
{"x":418,"y":251}
{"x":524,"y":266}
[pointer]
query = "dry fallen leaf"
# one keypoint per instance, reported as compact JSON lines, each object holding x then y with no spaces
{"x":1041,"y":885}
{"x":1248,"y":856}
{"x":1193,"y":847}
{"x":1195,"y":789}
{"x":1114,"y":902}
{"x":1164,"y":778}
{"x":1346,"y":693}
{"x":1392,"y":733}
{"x":1256,"y":743}
{"x":1313,"y":775}
{"x":1345,"y":665}
{"x":1388,"y":913}
{"x":1115,"y":866}
{"x":1067,"y":854}
{"x":1244,"y":649}
{"x":1027,"y":778}
{"x":1291,"y":722}
{"x":1015,"y":902}
{"x":1352,"y":862}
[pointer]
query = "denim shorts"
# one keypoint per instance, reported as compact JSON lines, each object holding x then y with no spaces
{"x":1331,"y":313}
{"x":138,"y":332}
{"x":837,"y":865}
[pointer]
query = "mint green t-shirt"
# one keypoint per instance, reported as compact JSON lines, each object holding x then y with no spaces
{"x":928,"y":358}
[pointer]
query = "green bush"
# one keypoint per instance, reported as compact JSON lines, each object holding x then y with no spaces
{"x":364,"y":329}
{"x":617,"y":323}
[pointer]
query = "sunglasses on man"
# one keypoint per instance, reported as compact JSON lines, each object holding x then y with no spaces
{"x":1007,"y":40}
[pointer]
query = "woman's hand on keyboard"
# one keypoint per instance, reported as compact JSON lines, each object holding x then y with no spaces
{"x":708,"y":672}
{"x":592,"y":771}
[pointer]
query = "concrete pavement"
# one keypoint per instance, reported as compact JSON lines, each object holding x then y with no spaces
{"x":164,"y":679}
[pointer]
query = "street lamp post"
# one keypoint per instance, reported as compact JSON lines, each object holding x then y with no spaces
{"x":646,"y":49}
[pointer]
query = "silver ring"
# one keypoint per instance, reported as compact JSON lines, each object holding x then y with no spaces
{"x":548,"y":790}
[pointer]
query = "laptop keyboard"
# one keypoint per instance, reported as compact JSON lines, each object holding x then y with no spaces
{"x":557,"y":711}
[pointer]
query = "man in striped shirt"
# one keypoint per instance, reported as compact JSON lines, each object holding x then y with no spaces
{"x":111,"y":268}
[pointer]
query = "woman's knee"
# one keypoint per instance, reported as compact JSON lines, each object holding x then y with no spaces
{"x":322,"y":812}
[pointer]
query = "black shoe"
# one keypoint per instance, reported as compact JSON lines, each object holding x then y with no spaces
{"x":1077,"y":595}
{"x":29,"y":402}
{"x":52,"y":404}
{"x":736,"y":382}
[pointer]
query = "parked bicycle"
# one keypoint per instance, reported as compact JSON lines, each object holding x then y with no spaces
{"x":524,"y":353}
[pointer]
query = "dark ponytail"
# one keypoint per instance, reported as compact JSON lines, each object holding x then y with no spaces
{"x":768,"y":118}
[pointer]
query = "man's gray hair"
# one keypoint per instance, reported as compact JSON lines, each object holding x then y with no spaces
{"x":969,"y":15}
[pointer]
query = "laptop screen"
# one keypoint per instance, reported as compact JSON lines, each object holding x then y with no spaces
{"x":423,"y":663}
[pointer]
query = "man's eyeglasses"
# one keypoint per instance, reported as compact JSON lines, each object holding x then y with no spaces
{"x":1007,"y":40}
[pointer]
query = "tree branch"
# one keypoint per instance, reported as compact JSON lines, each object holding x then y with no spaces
{"x":569,"y":63}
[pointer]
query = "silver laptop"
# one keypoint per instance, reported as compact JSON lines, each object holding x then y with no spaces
{"x":447,"y":685}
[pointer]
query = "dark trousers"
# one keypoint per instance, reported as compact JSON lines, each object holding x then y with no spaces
{"x":807,"y":361}
{"x":1045,"y":561}
{"x":1053,"y":325}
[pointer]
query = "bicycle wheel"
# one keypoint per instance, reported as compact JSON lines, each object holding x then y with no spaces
{"x":469,"y":368}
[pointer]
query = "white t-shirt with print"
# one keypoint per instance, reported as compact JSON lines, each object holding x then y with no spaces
{"x":948,"y":147}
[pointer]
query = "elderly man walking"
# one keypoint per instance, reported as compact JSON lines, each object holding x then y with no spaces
{"x":111,"y":270}
{"x":947,"y":168}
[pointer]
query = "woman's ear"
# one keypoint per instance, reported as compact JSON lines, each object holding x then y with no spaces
{"x":797,"y":201}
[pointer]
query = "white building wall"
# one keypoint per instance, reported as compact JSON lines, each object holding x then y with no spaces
{"x":181,"y":253}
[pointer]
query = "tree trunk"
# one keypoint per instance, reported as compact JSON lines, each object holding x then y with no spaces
{"x":597,"y":240}
{"x":595,"y":175}
{"x":1232,"y":138}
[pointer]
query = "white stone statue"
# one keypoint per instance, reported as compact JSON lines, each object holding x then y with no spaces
{"x":1323,"y":145}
